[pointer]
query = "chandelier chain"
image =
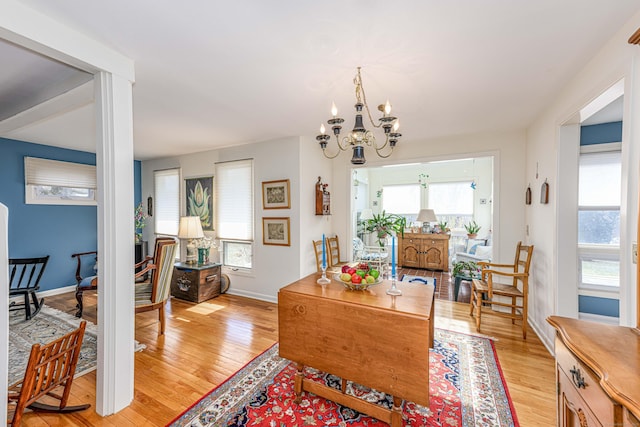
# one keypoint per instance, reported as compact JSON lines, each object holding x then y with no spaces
{"x":358,"y":81}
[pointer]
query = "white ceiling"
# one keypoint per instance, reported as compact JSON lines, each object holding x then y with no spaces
{"x":211,"y":74}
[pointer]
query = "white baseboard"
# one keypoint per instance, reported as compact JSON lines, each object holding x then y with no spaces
{"x":607,"y":320}
{"x":261,"y":297}
{"x":49,"y":293}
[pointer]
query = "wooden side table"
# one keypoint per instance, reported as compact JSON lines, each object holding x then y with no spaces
{"x":195,"y":282}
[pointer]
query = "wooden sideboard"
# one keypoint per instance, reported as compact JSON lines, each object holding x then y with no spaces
{"x":597,"y":372}
{"x":430,"y":251}
{"x":368,"y":337}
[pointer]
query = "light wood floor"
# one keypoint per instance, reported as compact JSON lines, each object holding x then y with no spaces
{"x":206,"y":343}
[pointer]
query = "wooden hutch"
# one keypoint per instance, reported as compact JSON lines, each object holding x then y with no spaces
{"x":429,"y":251}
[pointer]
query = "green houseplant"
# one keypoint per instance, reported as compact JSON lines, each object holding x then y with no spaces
{"x":472,"y":229}
{"x":465,"y":268}
{"x":384,"y":225}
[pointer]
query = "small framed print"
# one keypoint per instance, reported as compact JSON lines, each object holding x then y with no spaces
{"x":275,"y":231}
{"x":275,"y":194}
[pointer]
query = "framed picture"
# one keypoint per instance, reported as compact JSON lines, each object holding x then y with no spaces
{"x":275,"y":231}
{"x":275,"y":194}
{"x":199,"y":192}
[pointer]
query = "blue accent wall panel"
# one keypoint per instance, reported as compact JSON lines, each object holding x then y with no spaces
{"x":137,"y":178}
{"x":601,"y":306}
{"x":600,"y":134}
{"x":55,"y":230}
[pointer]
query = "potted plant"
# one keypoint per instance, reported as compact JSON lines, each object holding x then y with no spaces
{"x":465,"y":268}
{"x":472,"y":229}
{"x":443,"y":226}
{"x":384,"y":225}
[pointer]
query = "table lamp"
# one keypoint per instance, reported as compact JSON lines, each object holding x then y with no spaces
{"x":190,"y":228}
{"x":425,"y":216}
{"x":366,"y":214}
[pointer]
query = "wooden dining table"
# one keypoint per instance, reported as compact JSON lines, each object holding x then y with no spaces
{"x":365,"y":336}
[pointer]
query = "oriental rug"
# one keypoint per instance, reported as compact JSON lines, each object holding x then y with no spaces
{"x":44,"y":327}
{"x":466,"y":389}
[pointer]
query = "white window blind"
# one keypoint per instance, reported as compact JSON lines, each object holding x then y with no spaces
{"x":167,"y":206}
{"x":59,"y":174}
{"x":234,"y":200}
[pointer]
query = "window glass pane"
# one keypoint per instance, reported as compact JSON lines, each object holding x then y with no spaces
{"x":237,"y":254}
{"x":600,"y":179}
{"x":167,"y":203}
{"x":401,"y":199}
{"x":599,"y":227}
{"x":451,"y":198}
{"x":234,"y":200}
{"x":600,"y":272}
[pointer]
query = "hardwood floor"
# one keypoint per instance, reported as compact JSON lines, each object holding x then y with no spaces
{"x":206,"y":343}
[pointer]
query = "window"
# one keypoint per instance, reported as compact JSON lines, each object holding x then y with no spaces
{"x":167,"y":206}
{"x":52,"y":182}
{"x":452,"y":202}
{"x":599,"y":194}
{"x":401,"y":200}
{"x":234,"y":212}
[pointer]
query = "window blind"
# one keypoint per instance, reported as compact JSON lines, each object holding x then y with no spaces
{"x":167,"y":205}
{"x":56,"y":173}
{"x":234,"y":200}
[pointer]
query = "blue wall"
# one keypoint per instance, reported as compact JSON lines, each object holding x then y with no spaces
{"x":600,"y":134}
{"x":55,"y":230}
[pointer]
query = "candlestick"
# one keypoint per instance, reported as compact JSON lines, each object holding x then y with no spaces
{"x":324,"y":254}
{"x":393,"y":257}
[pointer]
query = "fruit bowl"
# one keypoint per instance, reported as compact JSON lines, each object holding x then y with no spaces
{"x":356,"y":286}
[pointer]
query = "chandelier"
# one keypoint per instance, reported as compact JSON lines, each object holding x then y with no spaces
{"x":359,"y":136}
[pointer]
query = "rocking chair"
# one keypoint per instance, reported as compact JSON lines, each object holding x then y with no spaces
{"x":50,"y":366}
{"x":24,"y":279}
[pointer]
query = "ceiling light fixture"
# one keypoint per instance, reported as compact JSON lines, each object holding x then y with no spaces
{"x":359,"y":136}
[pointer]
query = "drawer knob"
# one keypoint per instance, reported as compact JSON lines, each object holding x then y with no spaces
{"x":577,"y":378}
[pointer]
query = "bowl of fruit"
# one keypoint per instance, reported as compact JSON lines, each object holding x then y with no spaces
{"x":358,"y":278}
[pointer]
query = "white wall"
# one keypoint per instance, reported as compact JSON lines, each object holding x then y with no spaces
{"x":508,"y":149}
{"x":617,"y":59}
{"x":287,"y":158}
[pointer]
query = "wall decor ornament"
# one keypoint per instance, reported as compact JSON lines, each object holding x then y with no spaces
{"x":323,"y":198}
{"x":544,"y":193}
{"x":527,"y":195}
{"x":275,"y":231}
{"x":276,"y":195}
{"x":199,"y":192}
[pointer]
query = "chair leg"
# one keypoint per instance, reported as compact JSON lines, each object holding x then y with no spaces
{"x":161,"y":318}
{"x":473,"y":294}
{"x":513,"y":310}
{"x":478,"y":310}
{"x":27,"y":307}
{"x":36,"y":304}
{"x":524,"y":319}
{"x":79,"y":292}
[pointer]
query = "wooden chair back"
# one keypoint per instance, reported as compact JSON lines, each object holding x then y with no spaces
{"x":24,"y":280}
{"x":333,"y":251}
{"x":317,"y":249}
{"x":50,"y":366}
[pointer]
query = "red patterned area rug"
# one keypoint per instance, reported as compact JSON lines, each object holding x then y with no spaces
{"x":466,"y":389}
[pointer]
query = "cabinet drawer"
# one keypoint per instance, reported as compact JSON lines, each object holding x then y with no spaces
{"x":574,"y":411}
{"x":585,"y":383}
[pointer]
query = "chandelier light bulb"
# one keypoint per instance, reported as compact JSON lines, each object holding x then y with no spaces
{"x":322,"y":129}
{"x":387,"y":108}
{"x":334,"y":110}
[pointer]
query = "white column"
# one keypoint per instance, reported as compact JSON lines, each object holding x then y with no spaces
{"x":114,"y":160}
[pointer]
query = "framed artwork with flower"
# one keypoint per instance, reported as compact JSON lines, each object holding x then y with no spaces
{"x":199,"y":192}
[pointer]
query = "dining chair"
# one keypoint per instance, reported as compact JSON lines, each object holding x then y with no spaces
{"x":86,"y":282}
{"x":510,"y":297}
{"x":333,"y":253}
{"x":24,"y":280}
{"x":317,"y":249}
{"x":50,"y":367}
{"x":153,"y":295}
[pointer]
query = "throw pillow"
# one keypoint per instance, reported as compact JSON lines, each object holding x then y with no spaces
{"x":484,"y":252}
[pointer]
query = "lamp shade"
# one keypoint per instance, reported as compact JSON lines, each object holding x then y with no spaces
{"x":190,"y":228}
{"x":426,"y":215}
{"x":366,"y":214}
